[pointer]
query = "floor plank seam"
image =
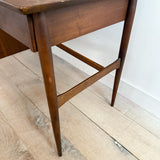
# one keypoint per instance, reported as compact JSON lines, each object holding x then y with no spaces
{"x":62,"y":136}
{"x":85,"y":116}
{"x":144,"y":128}
{"x":124,"y":111}
{"x":28,"y":68}
{"x":104,"y":131}
{"x":32,"y":102}
{"x":27,"y":148}
{"x":90,"y":90}
{"x":103,"y":98}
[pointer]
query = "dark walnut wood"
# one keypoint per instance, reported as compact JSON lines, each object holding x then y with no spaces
{"x":39,"y":24}
{"x":67,"y":23}
{"x":81,"y":57}
{"x":86,"y":83}
{"x":45,"y":55}
{"x":9,"y":45}
{"x":34,"y":6}
{"x":124,"y":45}
{"x":18,"y":26}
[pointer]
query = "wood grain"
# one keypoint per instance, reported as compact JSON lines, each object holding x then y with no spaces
{"x":123,"y":105}
{"x":63,"y":98}
{"x":71,"y":22}
{"x":34,"y":6}
{"x":11,"y":146}
{"x":81,"y":57}
{"x":74,"y":76}
{"x":34,"y":127}
{"x":9,"y":45}
{"x":112,"y":121}
{"x":17,"y":26}
{"x":124,"y":45}
{"x":30,"y":124}
{"x":45,"y":55}
{"x":82,"y":22}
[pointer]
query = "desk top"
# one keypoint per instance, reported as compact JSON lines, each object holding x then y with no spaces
{"x":33,"y":6}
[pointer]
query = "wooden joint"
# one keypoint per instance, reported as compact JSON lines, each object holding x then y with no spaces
{"x":64,"y":97}
{"x":81,"y":57}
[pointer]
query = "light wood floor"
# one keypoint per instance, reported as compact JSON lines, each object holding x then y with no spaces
{"x":91,"y":129}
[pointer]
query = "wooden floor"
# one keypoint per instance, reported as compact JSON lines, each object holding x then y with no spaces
{"x":91,"y":129}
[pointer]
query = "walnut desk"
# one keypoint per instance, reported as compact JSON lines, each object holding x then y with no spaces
{"x":40,"y":24}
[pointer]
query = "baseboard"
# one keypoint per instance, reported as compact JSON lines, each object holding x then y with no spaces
{"x":127,"y":90}
{"x":136,"y":95}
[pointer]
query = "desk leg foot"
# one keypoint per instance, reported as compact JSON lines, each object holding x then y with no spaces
{"x":45,"y":55}
{"x":116,"y":85}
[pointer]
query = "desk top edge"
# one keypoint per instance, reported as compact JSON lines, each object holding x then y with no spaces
{"x":34,"y":6}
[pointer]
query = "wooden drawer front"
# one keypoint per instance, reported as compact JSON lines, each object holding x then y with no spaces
{"x":71,"y":22}
{"x":15,"y":25}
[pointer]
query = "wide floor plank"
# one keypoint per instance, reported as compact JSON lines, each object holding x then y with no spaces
{"x":140,"y":141}
{"x":28,"y":115}
{"x":31,"y":125}
{"x":73,"y":76}
{"x":11,"y":146}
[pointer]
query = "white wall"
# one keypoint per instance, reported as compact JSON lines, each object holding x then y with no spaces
{"x":141,"y":75}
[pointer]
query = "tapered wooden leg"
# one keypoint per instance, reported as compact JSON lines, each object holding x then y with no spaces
{"x":45,"y":54}
{"x":124,"y":45}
